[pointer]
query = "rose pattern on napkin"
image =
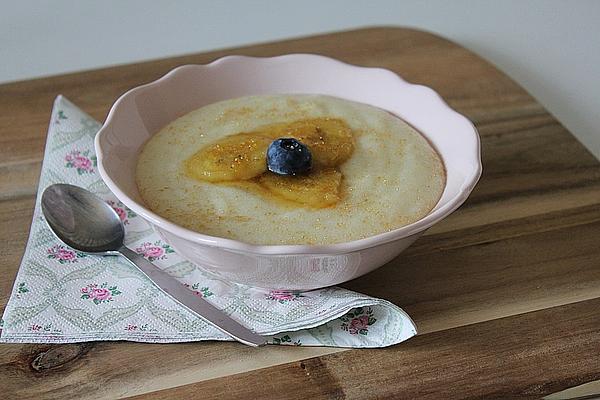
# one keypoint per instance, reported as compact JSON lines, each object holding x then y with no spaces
{"x":154,"y":251}
{"x":283,"y":297}
{"x":64,"y":296}
{"x":123,"y":212}
{"x":99,"y":294}
{"x":43,"y":329}
{"x":81,"y":161}
{"x":199,"y":291}
{"x":358,"y":321}
{"x":141,"y":328}
{"x":63,"y":255}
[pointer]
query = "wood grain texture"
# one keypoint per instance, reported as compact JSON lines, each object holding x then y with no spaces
{"x":502,"y":290}
{"x":527,"y":356}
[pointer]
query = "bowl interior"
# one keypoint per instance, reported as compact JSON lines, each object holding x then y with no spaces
{"x":143,"y":111}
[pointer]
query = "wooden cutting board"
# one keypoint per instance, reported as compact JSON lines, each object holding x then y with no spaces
{"x":505,"y":292}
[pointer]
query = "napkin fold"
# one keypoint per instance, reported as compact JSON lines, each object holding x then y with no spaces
{"x":64,"y":296}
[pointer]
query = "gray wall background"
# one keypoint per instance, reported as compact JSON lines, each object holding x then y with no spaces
{"x":550,"y":47}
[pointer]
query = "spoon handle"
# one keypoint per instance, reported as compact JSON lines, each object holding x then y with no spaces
{"x":194,"y":303}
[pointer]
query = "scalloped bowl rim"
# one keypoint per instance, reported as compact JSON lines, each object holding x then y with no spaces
{"x":336,"y":248}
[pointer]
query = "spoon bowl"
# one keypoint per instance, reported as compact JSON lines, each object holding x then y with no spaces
{"x":82,"y":220}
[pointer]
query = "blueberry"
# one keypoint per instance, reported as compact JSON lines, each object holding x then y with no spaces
{"x":288,"y":156}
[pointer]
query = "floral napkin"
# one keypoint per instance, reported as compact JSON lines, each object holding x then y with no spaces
{"x":63,"y":296}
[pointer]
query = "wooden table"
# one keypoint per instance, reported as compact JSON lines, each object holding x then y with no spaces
{"x":505,"y":292}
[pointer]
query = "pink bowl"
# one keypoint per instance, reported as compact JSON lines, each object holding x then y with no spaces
{"x":144,"y":110}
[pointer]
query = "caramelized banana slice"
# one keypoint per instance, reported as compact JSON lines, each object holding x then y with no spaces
{"x":330,"y":140}
{"x":319,"y":189}
{"x":233,"y":158}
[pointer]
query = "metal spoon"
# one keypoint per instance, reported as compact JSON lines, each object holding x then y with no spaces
{"x":86,"y":223}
